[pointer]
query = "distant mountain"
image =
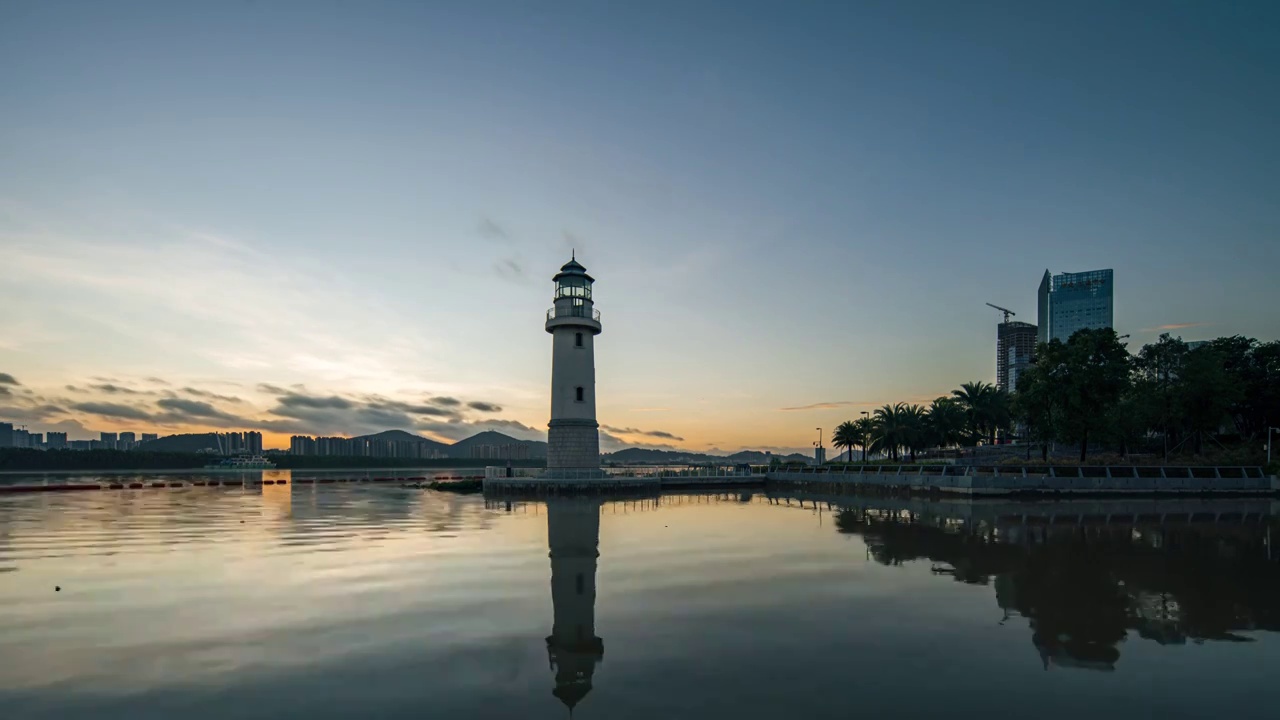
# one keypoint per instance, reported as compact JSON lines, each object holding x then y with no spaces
{"x":462,"y":448}
{"x":402,"y":436}
{"x":188,"y":443}
{"x":644,"y":456}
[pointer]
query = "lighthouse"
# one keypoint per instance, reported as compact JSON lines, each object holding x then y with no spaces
{"x":573,"y":435}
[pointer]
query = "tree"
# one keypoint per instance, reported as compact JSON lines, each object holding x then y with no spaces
{"x":846,"y":435}
{"x":915,"y":428}
{"x":946,"y":421}
{"x":1158,"y":368}
{"x":1208,"y":391}
{"x":1040,"y":398}
{"x":1095,"y":373}
{"x":889,"y":430}
{"x":866,"y":428}
{"x":973,"y":397}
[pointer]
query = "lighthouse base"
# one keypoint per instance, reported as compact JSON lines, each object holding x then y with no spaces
{"x":573,"y":444}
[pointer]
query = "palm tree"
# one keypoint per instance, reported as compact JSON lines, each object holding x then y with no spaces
{"x":914,"y":428}
{"x":999,"y":408}
{"x":846,"y":435}
{"x":889,"y":430}
{"x":946,"y":421}
{"x":866,"y":427}
{"x":977,"y":398}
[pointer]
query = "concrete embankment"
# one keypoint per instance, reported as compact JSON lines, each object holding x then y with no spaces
{"x":1036,"y":480}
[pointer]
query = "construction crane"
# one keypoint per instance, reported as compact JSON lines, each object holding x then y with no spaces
{"x":1007,"y":313}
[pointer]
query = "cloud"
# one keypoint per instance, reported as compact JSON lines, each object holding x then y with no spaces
{"x":212,"y":396}
{"x":491,"y":230}
{"x":184,"y":410}
{"x":1174,"y":326}
{"x":75,"y":389}
{"x":29,"y":414}
{"x":114,"y":410}
{"x":650,"y":433}
{"x":484,"y":406}
{"x":509,"y":269}
{"x":111,"y":389}
{"x":157,"y":381}
{"x":830,"y":405}
{"x":7,"y":379}
{"x":4,"y":390}
{"x":333,"y":402}
{"x":380,"y":403}
{"x":610,"y":443}
{"x":272,"y":389}
{"x":445,"y":401}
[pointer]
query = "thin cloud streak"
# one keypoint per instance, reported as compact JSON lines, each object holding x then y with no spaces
{"x":1174,"y":326}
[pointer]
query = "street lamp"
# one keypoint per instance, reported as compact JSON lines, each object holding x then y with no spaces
{"x":819,"y":443}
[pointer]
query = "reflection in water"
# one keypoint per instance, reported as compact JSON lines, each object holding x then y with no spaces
{"x":335,"y":602}
{"x":1083,"y":587}
{"x":573,"y":532}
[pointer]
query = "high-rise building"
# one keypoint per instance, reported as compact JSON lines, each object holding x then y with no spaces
{"x":1074,"y":301}
{"x":253,"y":443}
{"x":6,"y":434}
{"x":127,"y":441}
{"x":1019,"y":360}
{"x":55,"y":440}
{"x":21,"y":438}
{"x":1013,"y":340}
{"x":148,"y":437}
{"x":109,"y":441}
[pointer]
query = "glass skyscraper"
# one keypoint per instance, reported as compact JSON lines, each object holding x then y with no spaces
{"x":1074,"y":301}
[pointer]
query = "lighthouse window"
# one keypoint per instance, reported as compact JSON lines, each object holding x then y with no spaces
{"x":579,"y":393}
{"x":577,"y":339}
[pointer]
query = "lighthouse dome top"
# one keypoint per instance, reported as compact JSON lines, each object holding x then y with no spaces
{"x":573,"y":268}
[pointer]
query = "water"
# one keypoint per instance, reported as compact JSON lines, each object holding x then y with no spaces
{"x":337,"y":602}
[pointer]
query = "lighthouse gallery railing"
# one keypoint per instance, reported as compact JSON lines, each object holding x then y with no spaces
{"x":568,"y":312}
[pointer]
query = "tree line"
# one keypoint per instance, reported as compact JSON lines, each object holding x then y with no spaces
{"x":1166,"y":399}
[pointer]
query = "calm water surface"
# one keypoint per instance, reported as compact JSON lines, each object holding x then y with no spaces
{"x":337,"y":602}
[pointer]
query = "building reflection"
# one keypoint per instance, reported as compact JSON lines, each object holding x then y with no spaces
{"x":573,"y":534}
{"x":1086,"y":587}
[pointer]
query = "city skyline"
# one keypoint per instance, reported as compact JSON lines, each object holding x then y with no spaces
{"x":344,"y":222}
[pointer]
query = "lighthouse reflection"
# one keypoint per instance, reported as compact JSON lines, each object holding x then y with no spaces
{"x":573,"y":534}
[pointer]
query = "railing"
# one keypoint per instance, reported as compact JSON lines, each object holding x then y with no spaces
{"x":1173,"y":472}
{"x":555,"y":313}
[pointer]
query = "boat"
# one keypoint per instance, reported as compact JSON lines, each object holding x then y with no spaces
{"x":242,"y":462}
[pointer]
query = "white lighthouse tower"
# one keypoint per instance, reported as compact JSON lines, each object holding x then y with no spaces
{"x":573,"y":436}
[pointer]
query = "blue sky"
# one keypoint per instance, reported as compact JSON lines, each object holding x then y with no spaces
{"x":784,"y":204}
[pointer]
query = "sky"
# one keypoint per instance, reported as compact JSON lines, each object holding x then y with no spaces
{"x":341,"y":217}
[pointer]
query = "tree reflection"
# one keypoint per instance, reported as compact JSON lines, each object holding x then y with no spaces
{"x":1083,"y":588}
